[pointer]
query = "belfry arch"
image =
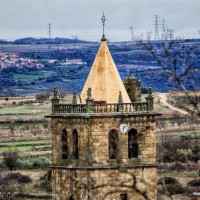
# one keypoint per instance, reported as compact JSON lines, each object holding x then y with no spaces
{"x":113,"y":141}
{"x":64,"y":144}
{"x":133,"y":143}
{"x":75,"y":149}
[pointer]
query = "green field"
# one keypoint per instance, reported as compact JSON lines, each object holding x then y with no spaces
{"x":24,"y":109}
{"x":23,"y":146}
{"x":31,"y":76}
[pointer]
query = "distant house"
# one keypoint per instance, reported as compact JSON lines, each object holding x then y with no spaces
{"x":74,"y":62}
{"x":53,"y":61}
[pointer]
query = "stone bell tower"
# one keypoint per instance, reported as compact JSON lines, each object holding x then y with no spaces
{"x":133,"y":87}
{"x":105,"y":146}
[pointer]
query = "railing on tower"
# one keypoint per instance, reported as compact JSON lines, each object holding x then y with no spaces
{"x":97,"y":108}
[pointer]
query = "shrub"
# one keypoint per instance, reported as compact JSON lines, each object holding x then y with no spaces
{"x":24,"y":164}
{"x":10,"y":159}
{"x":24,"y":179}
{"x":170,"y":186}
{"x":194,"y":183}
{"x":13,"y":176}
{"x":41,"y":162}
{"x":167,"y":180}
{"x":2,"y":165}
{"x":183,"y":155}
{"x":179,"y":167}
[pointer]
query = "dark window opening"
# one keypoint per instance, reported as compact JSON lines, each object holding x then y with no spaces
{"x":71,"y":197}
{"x":64,"y":144}
{"x":132,"y":144}
{"x":123,"y":197}
{"x":75,"y":144}
{"x":113,"y":144}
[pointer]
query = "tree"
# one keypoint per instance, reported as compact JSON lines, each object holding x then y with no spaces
{"x":11,"y":126}
{"x":63,"y":93}
{"x":48,"y":93}
{"x":7,"y":187}
{"x":41,"y":97}
{"x":177,"y":61}
{"x":10,"y":158}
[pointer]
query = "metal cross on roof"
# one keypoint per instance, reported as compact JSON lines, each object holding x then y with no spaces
{"x":103,"y":19}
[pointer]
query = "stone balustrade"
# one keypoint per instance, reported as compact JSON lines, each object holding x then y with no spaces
{"x":138,"y":107}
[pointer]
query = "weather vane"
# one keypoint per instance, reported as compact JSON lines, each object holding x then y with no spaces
{"x":103,"y":19}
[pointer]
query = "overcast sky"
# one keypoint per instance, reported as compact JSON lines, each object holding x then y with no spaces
{"x":25,"y":18}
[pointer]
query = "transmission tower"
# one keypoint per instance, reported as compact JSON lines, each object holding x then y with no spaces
{"x":163,"y":36}
{"x":49,"y":30}
{"x":156,"y":24}
{"x":75,"y":37}
{"x":149,"y":35}
{"x":170,"y":33}
{"x":199,"y":32}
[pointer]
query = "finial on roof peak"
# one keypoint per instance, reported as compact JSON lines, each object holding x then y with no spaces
{"x":89,"y":93}
{"x":55,"y":93}
{"x":139,"y":80}
{"x":150,"y":90}
{"x":103,"y":19}
{"x":132,"y":72}
{"x":120,"y":100}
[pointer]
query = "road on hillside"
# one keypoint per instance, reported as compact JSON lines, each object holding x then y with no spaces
{"x":163,"y":100}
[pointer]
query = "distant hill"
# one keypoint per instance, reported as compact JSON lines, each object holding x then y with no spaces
{"x":31,"y":40}
{"x":3,"y":41}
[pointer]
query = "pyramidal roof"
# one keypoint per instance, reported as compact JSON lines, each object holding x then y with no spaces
{"x":104,"y":79}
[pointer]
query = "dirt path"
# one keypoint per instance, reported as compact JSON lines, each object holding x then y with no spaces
{"x":163,"y":100}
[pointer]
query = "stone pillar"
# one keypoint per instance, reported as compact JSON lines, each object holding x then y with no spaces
{"x":138,"y":89}
{"x":149,"y":99}
{"x":120,"y":103}
{"x":89,"y":101}
{"x":54,"y":100}
{"x":74,"y":100}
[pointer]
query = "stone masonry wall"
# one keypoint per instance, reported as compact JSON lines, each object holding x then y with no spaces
{"x":103,"y":184}
{"x":93,"y":140}
{"x":94,"y":170}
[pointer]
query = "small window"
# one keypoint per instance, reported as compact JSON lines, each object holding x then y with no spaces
{"x":123,"y":197}
{"x":113,"y":144}
{"x":132,"y":144}
{"x":64,"y":144}
{"x":75,"y":144}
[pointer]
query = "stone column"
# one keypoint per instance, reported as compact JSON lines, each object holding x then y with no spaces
{"x":89,"y":101}
{"x":120,"y":103}
{"x":149,"y":99}
{"x":54,"y":100}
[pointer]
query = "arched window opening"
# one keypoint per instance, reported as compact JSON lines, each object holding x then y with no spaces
{"x":113,"y":144}
{"x":75,"y":144}
{"x":64,"y":144}
{"x":132,"y":144}
{"x":123,"y":197}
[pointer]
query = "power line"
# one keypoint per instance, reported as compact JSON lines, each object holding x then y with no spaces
{"x":156,"y":24}
{"x":170,"y":33}
{"x":149,"y":35}
{"x":163,"y":35}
